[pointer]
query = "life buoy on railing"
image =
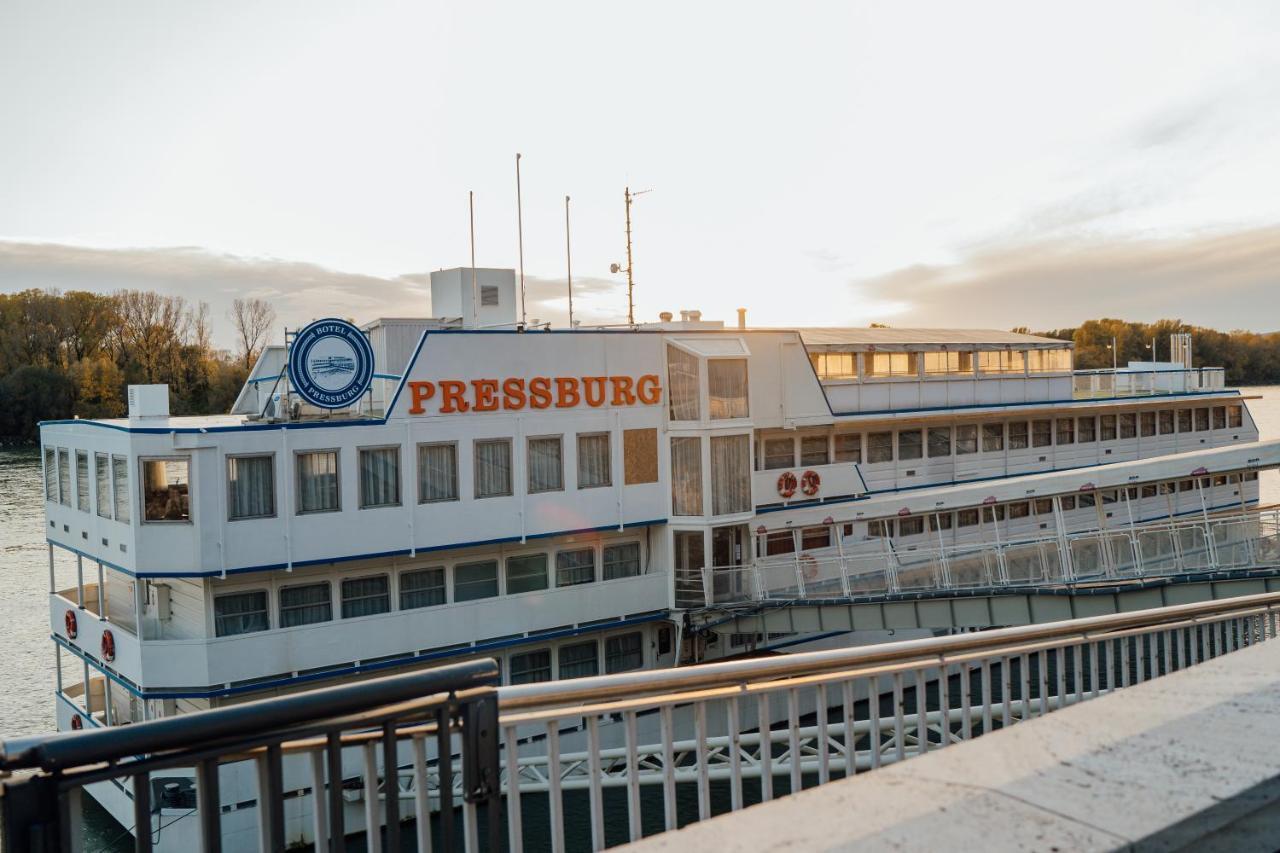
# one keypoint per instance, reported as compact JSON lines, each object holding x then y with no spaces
{"x":809,"y":567}
{"x":76,"y":723}
{"x":787,"y":484}
{"x":809,"y":482}
{"x":108,"y":646}
{"x":70,"y":622}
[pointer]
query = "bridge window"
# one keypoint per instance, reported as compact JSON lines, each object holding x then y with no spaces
{"x":879,"y":447}
{"x":909,"y":444}
{"x":621,"y":560}
{"x":421,"y":588}
{"x":437,"y":472}
{"x":366,"y":596}
{"x":1184,"y":420}
{"x":1066,"y":431}
{"x":379,"y":477}
{"x":1147,"y":423}
{"x":686,"y":476}
{"x":891,"y":364}
{"x":1041,"y":433}
{"x":1107,"y":428}
{"x":992,"y":438}
{"x":120,"y":487}
{"x":1128,"y":425}
{"x":51,"y":474}
{"x":526,"y":573}
{"x":727,"y":388}
{"x":939,"y":442}
{"x":305,"y":604}
{"x":64,"y":477}
{"x":1202,"y":420}
{"x":624,"y":652}
{"x":579,"y":660}
{"x":165,"y":489}
{"x":472,"y":581}
{"x":251,"y":491}
{"x":240,"y":613}
{"x":779,"y":453}
{"x":1164,"y":418}
{"x":82,"y":481}
{"x":682,"y":384}
{"x":1219,"y":417}
{"x":1018,"y":435}
{"x":966,"y":439}
{"x":595,"y":460}
{"x":1086,"y":430}
{"x":546,"y":464}
{"x":575,"y":567}
{"x":849,"y":447}
{"x":493,"y":467}
{"x":1235,"y":416}
{"x":530,"y":667}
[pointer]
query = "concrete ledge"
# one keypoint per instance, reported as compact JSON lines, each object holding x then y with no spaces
{"x":1191,"y":760}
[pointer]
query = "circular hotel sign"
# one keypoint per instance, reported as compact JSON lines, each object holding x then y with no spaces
{"x":330,"y":364}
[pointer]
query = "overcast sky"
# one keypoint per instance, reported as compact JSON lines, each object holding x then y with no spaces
{"x":987,"y":164}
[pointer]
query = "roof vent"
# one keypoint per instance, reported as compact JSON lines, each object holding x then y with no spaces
{"x":695,"y":316}
{"x":148,"y":401}
{"x":665,"y":317}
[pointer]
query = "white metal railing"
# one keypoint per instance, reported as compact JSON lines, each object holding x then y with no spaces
{"x":1170,"y":546}
{"x":1123,"y":382}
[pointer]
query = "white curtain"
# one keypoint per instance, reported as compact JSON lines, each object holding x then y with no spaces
{"x":730,"y":474}
{"x":621,"y":561}
{"x":251,"y":481}
{"x":493,"y":468}
{"x":303,"y":605}
{"x":682,"y":384}
{"x":240,"y":613}
{"x":318,"y":481}
{"x":379,"y":477}
{"x":366,"y":596}
{"x":421,"y":588}
{"x":579,"y":660}
{"x":102,"y":482}
{"x":82,"y":481}
{"x":120,"y":486}
{"x":64,"y":478}
{"x":686,"y":476}
{"x":727,"y":387}
{"x":595,"y":461}
{"x":546,"y":465}
{"x":574,"y":567}
{"x":51,"y":475}
{"x":623,"y":653}
{"x":437,"y":472}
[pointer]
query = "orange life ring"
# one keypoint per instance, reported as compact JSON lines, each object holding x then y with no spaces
{"x":809,"y":567}
{"x":787,"y":484}
{"x":70,"y":621}
{"x":809,"y":482}
{"x":108,"y":646}
{"x":76,"y":723}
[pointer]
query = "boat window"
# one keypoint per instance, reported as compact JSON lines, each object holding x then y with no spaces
{"x":909,"y":444}
{"x":421,"y":588}
{"x":814,"y":450}
{"x":727,"y":387}
{"x":526,"y":573}
{"x":891,"y":363}
{"x":779,"y":542}
{"x":1086,"y":430}
{"x":948,"y":362}
{"x":493,"y":467}
{"x":251,"y":486}
{"x":1107,"y":428}
{"x":966,"y":517}
{"x":992,"y":438}
{"x":779,"y":453}
{"x":51,"y":474}
{"x":318,"y":481}
{"x":64,"y":477}
{"x":82,"y":480}
{"x":1219,"y":417}
{"x":939,"y":442}
{"x":1018,"y":439}
{"x":437,"y":472}
{"x":880,"y":528}
{"x":546,"y":464}
{"x":940,"y":521}
{"x":120,"y":487}
{"x":1019,"y":509}
{"x":379,"y":477}
{"x":1235,"y":416}
{"x":1149,"y":491}
{"x":366,"y":596}
{"x":682,"y":384}
{"x":730,"y":474}
{"x":624,"y":652}
{"x":579,"y":660}
{"x":1129,"y":425}
{"x":1202,"y":420}
{"x":1066,"y":431}
{"x":1086,"y":499}
{"x":879,"y":447}
{"x":529,"y":667}
{"x":621,"y":560}
{"x":912,"y":525}
{"x":595,"y":460}
{"x":966,"y":439}
{"x":686,"y":476}
{"x":992,"y":514}
{"x":812,"y":538}
{"x":1147,"y":423}
{"x":1003,"y":361}
{"x":1043,"y":506}
{"x":575,"y":567}
{"x":1164,"y":418}
{"x":848,"y":447}
{"x":1050,"y":361}
{"x":166,"y":489}
{"x":102,"y":483}
{"x":305,"y":604}
{"x":1184,"y":420}
{"x":240,"y":613}
{"x":1068,"y":502}
{"x":472,"y":581}
{"x":834,"y":365}
{"x":1041,"y":433}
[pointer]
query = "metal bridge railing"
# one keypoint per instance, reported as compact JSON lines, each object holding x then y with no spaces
{"x":395,"y":721}
{"x":735,"y":733}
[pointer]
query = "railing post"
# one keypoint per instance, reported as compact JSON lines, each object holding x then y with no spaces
{"x":1064,"y":547}
{"x":844,"y":565}
{"x":31,"y":816}
{"x":1210,"y":546}
{"x":1134,"y":545}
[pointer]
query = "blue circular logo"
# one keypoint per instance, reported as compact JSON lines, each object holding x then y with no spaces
{"x":330,"y":364}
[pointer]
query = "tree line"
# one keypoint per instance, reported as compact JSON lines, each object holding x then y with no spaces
{"x":74,"y":354}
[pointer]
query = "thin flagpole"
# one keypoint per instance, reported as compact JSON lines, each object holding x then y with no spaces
{"x":568,"y":255}
{"x":475,"y":309}
{"x":520,"y":232}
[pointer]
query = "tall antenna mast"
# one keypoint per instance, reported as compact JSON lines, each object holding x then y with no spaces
{"x":631,"y":285}
{"x":520,"y":232}
{"x":568,"y":257}
{"x":475,"y":309}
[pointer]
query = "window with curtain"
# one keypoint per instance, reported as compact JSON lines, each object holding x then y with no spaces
{"x":1219,"y":417}
{"x":815,"y":450}
{"x":1129,"y":425}
{"x":575,"y":567}
{"x":1019,"y":437}
{"x":939,"y":442}
{"x":1086,"y":430}
{"x":493,"y":467}
{"x":1184,"y":421}
{"x":421,"y":588}
{"x":779,"y":542}
{"x":1066,"y":431}
{"x":1107,"y":428}
{"x":318,"y":481}
{"x":992,"y":438}
{"x":546,"y":464}
{"x":779,"y":453}
{"x":251,"y":491}
{"x":879,"y":447}
{"x":579,"y":660}
{"x":682,"y":385}
{"x":120,"y":487}
{"x":624,"y":652}
{"x":910,"y":444}
{"x":595,"y":460}
{"x":165,"y":490}
{"x":834,"y":365}
{"x":849,"y":447}
{"x":437,"y":472}
{"x":526,"y":573}
{"x":1235,"y":416}
{"x":102,"y":483}
{"x":966,"y":439}
{"x":379,"y":477}
{"x":366,"y":596}
{"x":240,"y":613}
{"x":1148,"y":423}
{"x":727,"y":387}
{"x":64,"y":477}
{"x":731,"y":474}
{"x":686,"y":476}
{"x":1041,"y":433}
{"x":891,"y":363}
{"x":305,"y":605}
{"x":51,"y":475}
{"x":621,"y":560}
{"x":473,"y":581}
{"x":82,"y":481}
{"x":1202,"y":420}
{"x":530,"y":667}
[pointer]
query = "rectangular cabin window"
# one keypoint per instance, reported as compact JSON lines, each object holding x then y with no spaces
{"x":575,"y":567}
{"x":992,"y":438}
{"x":240,"y":613}
{"x":880,"y":529}
{"x":251,"y":486}
{"x":940,"y":521}
{"x":1019,"y":509}
{"x":834,"y":365}
{"x":1041,"y":433}
{"x":966,"y":517}
{"x":1202,"y":420}
{"x":910,"y":443}
{"x":1107,"y":428}
{"x":1149,"y":491}
{"x":82,"y":480}
{"x":1018,"y":436}
{"x":881,"y":364}
{"x":526,"y":573}
{"x":120,"y":487}
{"x":912,"y":525}
{"x":1219,"y":417}
{"x":1086,"y":500}
{"x":318,"y":481}
{"x":1049,"y":361}
{"x":814,"y":450}
{"x":437,"y":472}
{"x":305,"y":604}
{"x":812,"y":538}
{"x":686,"y":476}
{"x":488,"y":295}
{"x":1068,"y":502}
{"x":1129,"y":425}
{"x":1184,"y":420}
{"x":493,"y":467}
{"x":730,"y":474}
{"x":1043,"y":506}
{"x":966,"y":439}
{"x":623,"y":653}
{"x":992,"y":514}
{"x":936,"y":363}
{"x":51,"y":475}
{"x":64,"y":477}
{"x":779,"y":453}
{"x":939,"y":442}
{"x":849,"y":447}
{"x":366,"y":596}
{"x":166,"y":489}
{"x":546,"y":464}
{"x":1164,"y":418}
{"x":1147,"y":423}
{"x":1003,"y":361}
{"x":779,"y":542}
{"x":578,"y":660}
{"x":422,"y":588}
{"x":727,"y":388}
{"x":879,"y":447}
{"x":473,"y":581}
{"x":621,"y":560}
{"x":682,"y":385}
{"x":1066,"y":431}
{"x":1086,"y":430}
{"x":379,"y":477}
{"x":1235,"y":417}
{"x":102,"y":484}
{"x":529,"y":667}
{"x":595,"y":460}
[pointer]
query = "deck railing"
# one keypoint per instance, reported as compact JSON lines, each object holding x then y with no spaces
{"x":1123,"y":382}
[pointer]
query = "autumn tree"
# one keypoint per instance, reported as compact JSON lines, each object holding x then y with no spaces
{"x":253,"y":319}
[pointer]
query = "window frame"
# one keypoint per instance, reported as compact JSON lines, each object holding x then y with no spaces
{"x":275,"y":504}
{"x":399,"y":501}
{"x":457,"y":480}
{"x":297,"y":479}
{"x":142,"y":493}
{"x":558,"y":438}
{"x":577,"y":446}
{"x":266,"y":593}
{"x":586,"y":549}
{"x":342,"y":596}
{"x":497,"y":579}
{"x":604,"y":561}
{"x":529,"y":555}
{"x":475,"y":467}
{"x":401,"y":591}
{"x":280,"y":605}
